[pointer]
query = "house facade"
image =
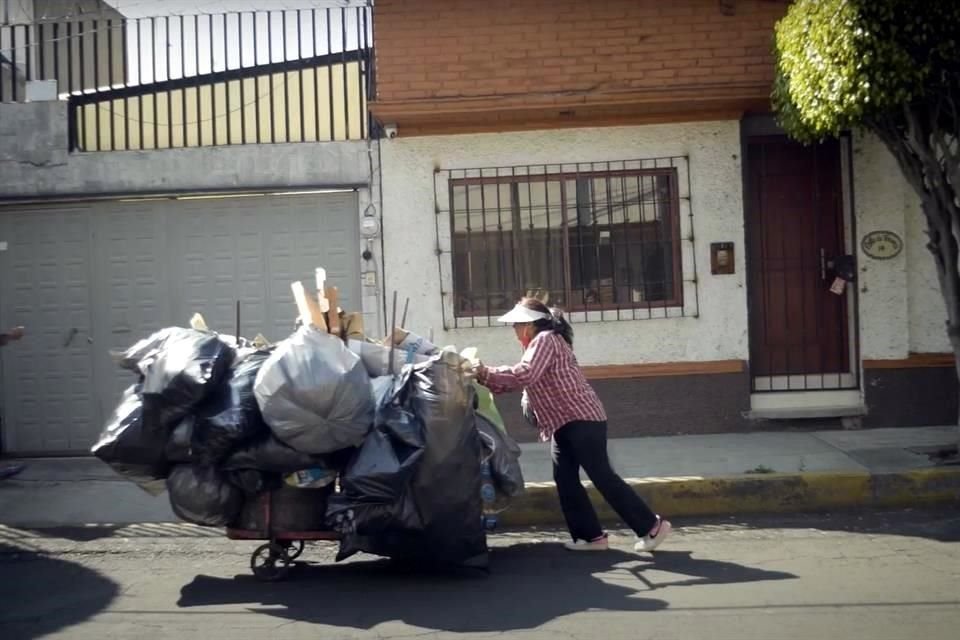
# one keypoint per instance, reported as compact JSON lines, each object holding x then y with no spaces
{"x":183,"y":164}
{"x":620,"y":159}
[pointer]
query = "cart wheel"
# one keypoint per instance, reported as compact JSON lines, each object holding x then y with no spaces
{"x":293,"y":548}
{"x":270,"y":562}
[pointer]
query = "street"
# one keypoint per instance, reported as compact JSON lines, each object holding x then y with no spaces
{"x":869,"y":575}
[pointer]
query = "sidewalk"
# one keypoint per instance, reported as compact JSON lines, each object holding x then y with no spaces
{"x":680,"y":475}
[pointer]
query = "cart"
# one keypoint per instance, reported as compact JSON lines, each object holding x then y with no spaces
{"x":286,"y":518}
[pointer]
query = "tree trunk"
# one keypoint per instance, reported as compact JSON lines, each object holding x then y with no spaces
{"x":925,"y":156}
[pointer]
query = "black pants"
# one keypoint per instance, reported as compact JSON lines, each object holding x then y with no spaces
{"x":584,"y":444}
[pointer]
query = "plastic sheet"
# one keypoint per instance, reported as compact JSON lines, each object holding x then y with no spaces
{"x":315,"y":394}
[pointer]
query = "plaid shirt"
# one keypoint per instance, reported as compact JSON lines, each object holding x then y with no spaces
{"x":556,"y":387}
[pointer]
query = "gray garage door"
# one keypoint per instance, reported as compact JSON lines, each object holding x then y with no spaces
{"x":87,"y":278}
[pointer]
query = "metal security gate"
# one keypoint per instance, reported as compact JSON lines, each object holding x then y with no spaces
{"x":90,"y":277}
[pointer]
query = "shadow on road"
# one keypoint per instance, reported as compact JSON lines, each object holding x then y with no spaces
{"x":530,"y":585}
{"x":40,"y":595}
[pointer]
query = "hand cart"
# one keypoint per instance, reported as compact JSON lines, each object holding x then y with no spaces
{"x":286,"y":519}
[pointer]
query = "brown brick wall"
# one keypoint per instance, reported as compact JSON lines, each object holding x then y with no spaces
{"x":436,"y":49}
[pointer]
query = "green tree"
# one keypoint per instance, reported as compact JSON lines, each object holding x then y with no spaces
{"x":890,"y":67}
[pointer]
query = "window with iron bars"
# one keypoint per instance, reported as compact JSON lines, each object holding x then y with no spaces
{"x":592,"y":238}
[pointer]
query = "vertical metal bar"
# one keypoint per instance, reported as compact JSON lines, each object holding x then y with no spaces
{"x":346,"y":91}
{"x":273,"y":124}
{"x":613,"y":246}
{"x":303,"y":116}
{"x":565,"y":241}
{"x":166,"y":37}
{"x":786,"y":297}
{"x":56,"y":55}
{"x":614,"y":279}
{"x":286,"y":88}
{"x":361,"y":52}
{"x":642,"y":240}
{"x":470,"y":284}
{"x":42,"y":52}
{"x":140,"y":79}
{"x":662,"y":221}
{"x":453,"y":251}
{"x":333,"y":134}
{"x":213,"y":83}
{"x":13,"y":62}
{"x":126,"y":100}
{"x":532,"y":223}
{"x":113,"y":127}
{"x":81,"y":43}
{"x":582,"y":275}
{"x":316,"y":73}
{"x":546,"y":208}
{"x":243,"y":80}
{"x":501,"y":252}
{"x":196,"y":77}
{"x":766,"y":266}
{"x":183,"y":85}
{"x":486,"y":239}
{"x":96,"y":77}
{"x":70,"y":84}
{"x":627,"y":240}
{"x":256,"y":78}
{"x":28,"y":50}
{"x":226,"y":80}
{"x":156,"y":95}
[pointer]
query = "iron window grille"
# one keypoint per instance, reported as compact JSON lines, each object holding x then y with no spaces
{"x":602,"y":240}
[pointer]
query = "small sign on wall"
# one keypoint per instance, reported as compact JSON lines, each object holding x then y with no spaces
{"x":881,"y":245}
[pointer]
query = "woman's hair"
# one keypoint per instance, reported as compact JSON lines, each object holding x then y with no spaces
{"x":556,"y":322}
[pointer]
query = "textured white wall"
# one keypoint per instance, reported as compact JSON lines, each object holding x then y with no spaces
{"x":713,"y":148}
{"x":901,"y":310}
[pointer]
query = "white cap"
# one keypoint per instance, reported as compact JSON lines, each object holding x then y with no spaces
{"x":522,"y":315}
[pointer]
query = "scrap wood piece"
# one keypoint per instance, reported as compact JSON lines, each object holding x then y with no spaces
{"x":353,"y":326}
{"x":307,"y":307}
{"x":197,"y":323}
{"x":332,"y":295}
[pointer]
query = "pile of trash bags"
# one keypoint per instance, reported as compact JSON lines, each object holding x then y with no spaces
{"x":414,"y":464}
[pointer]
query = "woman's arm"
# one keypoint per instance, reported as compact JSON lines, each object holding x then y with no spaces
{"x":537,"y":358}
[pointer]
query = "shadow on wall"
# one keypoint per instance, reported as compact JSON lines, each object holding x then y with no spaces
{"x":40,"y":595}
{"x":529,"y":585}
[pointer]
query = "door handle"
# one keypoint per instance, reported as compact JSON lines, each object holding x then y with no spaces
{"x":70,"y":336}
{"x":823,"y":264}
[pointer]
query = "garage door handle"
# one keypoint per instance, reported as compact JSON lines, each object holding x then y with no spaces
{"x":70,"y":336}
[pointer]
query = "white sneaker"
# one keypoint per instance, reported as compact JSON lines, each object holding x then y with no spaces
{"x":649,"y":543}
{"x":600,"y":544}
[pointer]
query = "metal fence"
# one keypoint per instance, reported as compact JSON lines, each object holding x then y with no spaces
{"x":200,"y":80}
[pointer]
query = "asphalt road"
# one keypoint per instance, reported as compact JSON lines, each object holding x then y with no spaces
{"x":877,"y":575}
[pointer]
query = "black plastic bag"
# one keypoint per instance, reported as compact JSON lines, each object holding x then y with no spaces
{"x":151,"y":345}
{"x":252,"y":481}
{"x":438,"y":517}
{"x":315,"y":394}
{"x":230,"y":417}
{"x":178,"y":450}
{"x":129,"y":449}
{"x":375,"y":495}
{"x":179,"y":374}
{"x":503,"y":454}
{"x":269,"y":454}
{"x":203,"y":496}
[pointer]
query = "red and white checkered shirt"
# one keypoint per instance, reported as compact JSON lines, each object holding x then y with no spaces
{"x":556,"y":387}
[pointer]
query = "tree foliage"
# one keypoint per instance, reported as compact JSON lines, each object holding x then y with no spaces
{"x":846,"y":63}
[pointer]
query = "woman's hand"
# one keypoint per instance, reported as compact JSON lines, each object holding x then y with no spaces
{"x":481,"y":372}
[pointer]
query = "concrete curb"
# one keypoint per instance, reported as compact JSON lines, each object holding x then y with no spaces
{"x":756,"y":493}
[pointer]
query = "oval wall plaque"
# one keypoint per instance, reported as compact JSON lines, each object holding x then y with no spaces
{"x":882,"y":245}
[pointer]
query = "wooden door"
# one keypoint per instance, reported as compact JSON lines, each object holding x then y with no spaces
{"x":795,"y":229}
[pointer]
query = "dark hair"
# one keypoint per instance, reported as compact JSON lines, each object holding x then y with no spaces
{"x":556,"y":322}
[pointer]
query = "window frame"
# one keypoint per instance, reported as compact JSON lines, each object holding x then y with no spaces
{"x":576,"y":303}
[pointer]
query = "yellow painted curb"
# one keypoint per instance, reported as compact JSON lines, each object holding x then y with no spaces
{"x":757,"y":493}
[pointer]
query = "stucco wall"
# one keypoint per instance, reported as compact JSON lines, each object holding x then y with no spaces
{"x":901,"y":310}
{"x":713,"y":148}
